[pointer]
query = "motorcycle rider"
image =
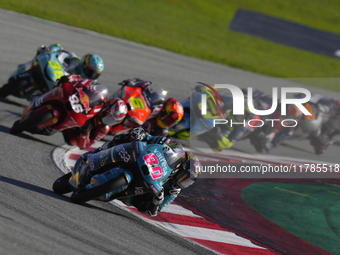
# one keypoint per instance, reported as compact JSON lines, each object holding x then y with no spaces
{"x":322,"y":128}
{"x":112,"y":113}
{"x":328,"y":132}
{"x":172,"y":112}
{"x":186,"y":167}
{"x":222,"y":136}
{"x":90,"y":66}
{"x":154,"y":96}
{"x":94,"y":129}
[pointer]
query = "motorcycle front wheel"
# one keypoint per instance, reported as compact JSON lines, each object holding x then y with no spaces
{"x":6,"y":90}
{"x":83,"y":195}
{"x":23,"y":83}
{"x":61,"y":186}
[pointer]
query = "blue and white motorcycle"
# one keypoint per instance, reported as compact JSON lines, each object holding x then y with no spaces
{"x":201,"y":127}
{"x":39,"y":74}
{"x":193,"y":123}
{"x":125,"y":170}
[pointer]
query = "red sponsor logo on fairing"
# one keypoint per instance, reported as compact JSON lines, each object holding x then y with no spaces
{"x":84,"y":99}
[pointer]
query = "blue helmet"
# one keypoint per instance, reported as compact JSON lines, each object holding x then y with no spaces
{"x":91,"y":66}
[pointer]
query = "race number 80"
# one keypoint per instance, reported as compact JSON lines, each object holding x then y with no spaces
{"x":151,"y":159}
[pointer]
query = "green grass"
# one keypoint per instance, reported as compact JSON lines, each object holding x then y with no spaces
{"x":308,"y":211}
{"x":199,"y":28}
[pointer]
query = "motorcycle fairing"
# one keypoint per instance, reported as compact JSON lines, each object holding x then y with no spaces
{"x":65,"y":115}
{"x":138,"y":109}
{"x":51,"y":68}
{"x":111,"y":174}
{"x":153,"y":165}
{"x":23,"y":68}
{"x":45,"y":69}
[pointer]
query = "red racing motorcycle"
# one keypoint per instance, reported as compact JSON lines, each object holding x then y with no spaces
{"x":67,"y":106}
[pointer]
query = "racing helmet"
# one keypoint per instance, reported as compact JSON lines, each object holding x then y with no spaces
{"x":91,"y":66}
{"x":171,"y":114}
{"x":154,"y":94}
{"x":188,"y":171}
{"x":114,"y":113}
{"x":43,"y":49}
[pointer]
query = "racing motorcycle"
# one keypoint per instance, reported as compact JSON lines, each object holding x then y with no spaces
{"x":66,"y":106}
{"x":40,"y":74}
{"x":304,"y":127}
{"x":193,"y":122}
{"x":125,"y":170}
{"x":144,"y":100}
{"x":202,"y":127}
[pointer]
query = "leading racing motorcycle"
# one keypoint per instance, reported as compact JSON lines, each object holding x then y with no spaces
{"x":66,"y":106}
{"x":125,"y":170}
{"x":40,"y":74}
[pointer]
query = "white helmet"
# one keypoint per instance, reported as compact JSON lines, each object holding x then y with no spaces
{"x":114,"y":113}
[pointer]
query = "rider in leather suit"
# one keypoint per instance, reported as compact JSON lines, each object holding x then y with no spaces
{"x":90,"y":66}
{"x":172,"y":112}
{"x":322,"y":128}
{"x":184,"y":174}
{"x":328,"y":131}
{"x":113,"y":112}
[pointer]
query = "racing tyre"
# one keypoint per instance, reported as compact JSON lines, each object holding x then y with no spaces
{"x":28,"y":123}
{"x":6,"y":89}
{"x":83,"y":195}
{"x":14,"y":85}
{"x":61,"y":186}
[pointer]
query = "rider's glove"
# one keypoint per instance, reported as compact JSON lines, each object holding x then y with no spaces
{"x":138,"y":133}
{"x":105,"y":146}
{"x":124,"y":83}
{"x":153,"y":208}
{"x":63,"y":79}
{"x":69,"y":78}
{"x":130,"y":82}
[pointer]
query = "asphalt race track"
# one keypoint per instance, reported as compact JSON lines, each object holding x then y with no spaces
{"x":34,"y":220}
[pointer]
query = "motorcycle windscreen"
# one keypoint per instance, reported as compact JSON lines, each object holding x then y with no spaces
{"x":138,"y":109}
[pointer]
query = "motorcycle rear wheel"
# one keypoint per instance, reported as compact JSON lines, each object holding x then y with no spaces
{"x":83,"y":195}
{"x":29,"y":123}
{"x":61,"y":186}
